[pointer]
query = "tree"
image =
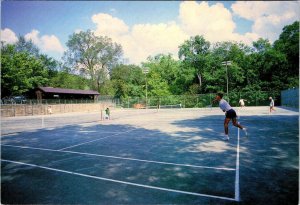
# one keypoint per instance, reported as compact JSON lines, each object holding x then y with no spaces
{"x":20,"y":72}
{"x":269,"y":65}
{"x":51,"y":65}
{"x":63,"y":79}
{"x":193,"y":52}
{"x":167,"y":68}
{"x":26,"y":46}
{"x":92,"y":56}
{"x":288,"y":44}
{"x":261,"y":45}
{"x":128,"y":80}
{"x":157,"y":85}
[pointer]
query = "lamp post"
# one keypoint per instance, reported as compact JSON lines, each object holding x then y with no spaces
{"x":226,"y":63}
{"x":145,"y":71}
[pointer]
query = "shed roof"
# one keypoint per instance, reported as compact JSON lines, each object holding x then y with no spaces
{"x":68,"y":91}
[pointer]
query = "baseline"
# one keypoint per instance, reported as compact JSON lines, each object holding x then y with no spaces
{"x":120,"y":182}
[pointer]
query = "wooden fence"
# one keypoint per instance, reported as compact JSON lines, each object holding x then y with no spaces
{"x":12,"y":110}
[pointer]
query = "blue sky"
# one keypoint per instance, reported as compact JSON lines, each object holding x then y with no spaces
{"x":143,"y":27}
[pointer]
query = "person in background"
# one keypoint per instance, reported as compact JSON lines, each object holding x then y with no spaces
{"x":242,"y":103}
{"x":107,"y":113}
{"x":272,"y":105}
{"x":49,"y":110}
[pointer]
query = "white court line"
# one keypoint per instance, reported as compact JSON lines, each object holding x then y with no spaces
{"x":121,"y":182}
{"x":96,"y":140}
{"x":125,"y":158}
{"x":237,"y":170}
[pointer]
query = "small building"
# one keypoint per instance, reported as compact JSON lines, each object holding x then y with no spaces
{"x":61,"y":93}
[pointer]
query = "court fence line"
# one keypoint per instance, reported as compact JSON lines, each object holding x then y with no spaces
{"x":48,"y":106}
{"x":259,"y":98}
{"x":290,"y":97}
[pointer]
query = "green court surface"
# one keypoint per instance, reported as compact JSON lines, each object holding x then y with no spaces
{"x":174,"y":156}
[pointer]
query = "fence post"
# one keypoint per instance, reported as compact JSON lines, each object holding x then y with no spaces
{"x":158,"y":102}
{"x":255,"y":98}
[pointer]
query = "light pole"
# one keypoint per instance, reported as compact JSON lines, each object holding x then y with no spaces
{"x":145,"y":71}
{"x":226,"y":63}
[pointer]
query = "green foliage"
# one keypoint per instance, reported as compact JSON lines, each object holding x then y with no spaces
{"x":26,"y":46}
{"x":66,"y":80}
{"x":91,"y":55}
{"x":288,"y":44}
{"x":157,"y":85}
{"x":20,"y":72}
{"x":23,"y":68}
{"x":194,"y":54}
{"x":163,"y":76}
{"x":128,"y":80}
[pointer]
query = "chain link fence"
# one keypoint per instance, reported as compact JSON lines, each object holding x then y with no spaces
{"x":35,"y":107}
{"x":290,"y":97}
{"x":260,"y":98}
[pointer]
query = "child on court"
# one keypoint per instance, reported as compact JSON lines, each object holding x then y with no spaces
{"x":107,"y":114}
{"x":230,"y":114}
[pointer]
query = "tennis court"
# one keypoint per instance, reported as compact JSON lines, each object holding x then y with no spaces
{"x":170,"y":156}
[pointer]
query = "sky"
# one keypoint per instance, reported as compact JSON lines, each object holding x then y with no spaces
{"x":144,"y":28}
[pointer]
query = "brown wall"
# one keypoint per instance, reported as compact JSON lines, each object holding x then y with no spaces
{"x":42,"y":109}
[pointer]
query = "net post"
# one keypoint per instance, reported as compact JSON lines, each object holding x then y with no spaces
{"x":43,"y":123}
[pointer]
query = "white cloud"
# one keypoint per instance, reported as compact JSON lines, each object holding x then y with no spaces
{"x":151,"y":39}
{"x":8,"y":36}
{"x":108,"y":25}
{"x":269,"y":17}
{"x":33,"y":36}
{"x":210,"y":21}
{"x":143,"y":39}
{"x":51,"y":43}
{"x":214,"y":22}
{"x":47,"y":43}
{"x":78,"y":30}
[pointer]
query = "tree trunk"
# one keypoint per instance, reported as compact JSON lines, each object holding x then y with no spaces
{"x":199,"y":77}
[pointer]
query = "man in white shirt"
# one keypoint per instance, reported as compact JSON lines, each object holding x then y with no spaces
{"x":229,"y":113}
{"x":242,"y":103}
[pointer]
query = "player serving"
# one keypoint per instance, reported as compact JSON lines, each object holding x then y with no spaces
{"x":229,"y":113}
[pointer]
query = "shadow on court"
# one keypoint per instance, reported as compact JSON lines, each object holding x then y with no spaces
{"x":149,"y":159}
{"x":269,"y":169}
